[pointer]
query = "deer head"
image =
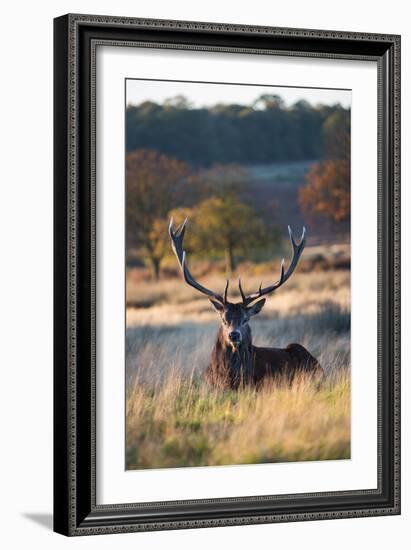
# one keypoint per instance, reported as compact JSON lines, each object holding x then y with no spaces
{"x":234,"y":321}
{"x":234,"y":316}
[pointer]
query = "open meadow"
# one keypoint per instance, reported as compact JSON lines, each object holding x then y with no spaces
{"x":174,"y":419}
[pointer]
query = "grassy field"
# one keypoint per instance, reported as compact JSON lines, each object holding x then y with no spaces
{"x":289,"y":173}
{"x":181,"y":422}
{"x":175,"y":420}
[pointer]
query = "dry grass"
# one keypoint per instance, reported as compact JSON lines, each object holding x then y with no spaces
{"x":182,"y":422}
{"x":175,"y":420}
{"x":173,"y":302}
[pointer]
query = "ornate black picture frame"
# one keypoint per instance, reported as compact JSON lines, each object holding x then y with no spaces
{"x":75,"y":41}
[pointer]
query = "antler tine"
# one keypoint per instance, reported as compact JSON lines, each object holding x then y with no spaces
{"x":302,"y":239}
{"x":226,"y":290}
{"x":284,"y":276}
{"x":177,"y":238}
{"x":241,"y":290}
{"x":181,"y":229}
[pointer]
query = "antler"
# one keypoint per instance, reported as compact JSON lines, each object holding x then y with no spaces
{"x":177,"y":238}
{"x":297,"y":251}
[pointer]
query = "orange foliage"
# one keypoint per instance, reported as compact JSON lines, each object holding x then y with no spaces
{"x":155,"y":184}
{"x":327,"y":191}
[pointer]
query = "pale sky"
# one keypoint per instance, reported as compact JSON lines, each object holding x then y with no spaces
{"x":206,"y":94}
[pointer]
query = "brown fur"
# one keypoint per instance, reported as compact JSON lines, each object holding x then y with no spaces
{"x":235,"y":361}
{"x":251,"y":365}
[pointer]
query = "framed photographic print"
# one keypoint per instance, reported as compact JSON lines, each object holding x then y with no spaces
{"x":227,"y":277}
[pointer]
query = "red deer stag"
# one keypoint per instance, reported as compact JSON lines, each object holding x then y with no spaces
{"x":234,"y":360}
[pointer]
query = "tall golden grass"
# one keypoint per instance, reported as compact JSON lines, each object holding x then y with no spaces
{"x":175,"y":420}
{"x":182,"y":422}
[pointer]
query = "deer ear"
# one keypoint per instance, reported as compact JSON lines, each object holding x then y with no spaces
{"x":217,"y":305}
{"x":256,"y":308}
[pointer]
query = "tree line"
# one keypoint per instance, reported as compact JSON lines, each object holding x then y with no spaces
{"x":266,"y":131}
{"x":161,"y":183}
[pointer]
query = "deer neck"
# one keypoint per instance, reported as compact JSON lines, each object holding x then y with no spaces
{"x":236,"y":363}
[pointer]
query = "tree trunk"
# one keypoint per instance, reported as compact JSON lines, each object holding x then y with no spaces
{"x":229,"y":260}
{"x":155,"y":262}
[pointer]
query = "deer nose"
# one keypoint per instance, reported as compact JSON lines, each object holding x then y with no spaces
{"x":234,"y":336}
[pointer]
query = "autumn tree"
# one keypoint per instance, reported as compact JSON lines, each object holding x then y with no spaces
{"x":156,"y":183}
{"x":228,"y":226}
{"x":328,"y":189}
